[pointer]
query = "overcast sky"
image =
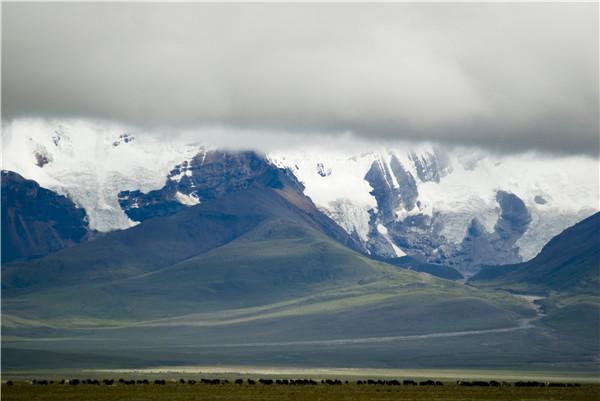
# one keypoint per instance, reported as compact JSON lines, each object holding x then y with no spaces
{"x":503,"y":76}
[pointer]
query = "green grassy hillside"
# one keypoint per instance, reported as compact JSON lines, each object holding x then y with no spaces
{"x":569,"y":263}
{"x":259,"y":277}
{"x":277,"y":261}
{"x":164,"y":241}
{"x":418,"y":265}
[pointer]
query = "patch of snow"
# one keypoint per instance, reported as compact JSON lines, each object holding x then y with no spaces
{"x":381,"y":229}
{"x":350,"y":217}
{"x":189,"y":200}
{"x":399,"y":252}
{"x":389,"y":169}
{"x":346,"y":181}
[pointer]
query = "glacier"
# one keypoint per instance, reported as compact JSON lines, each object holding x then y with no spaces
{"x":397,"y":199}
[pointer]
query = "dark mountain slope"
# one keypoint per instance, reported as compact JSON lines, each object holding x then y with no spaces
{"x":37,"y":221}
{"x":247,"y":254}
{"x":278,"y":259}
{"x":164,"y":241}
{"x":570,"y":262}
{"x":217,"y":174}
{"x":208,"y":175}
{"x":419,"y":265}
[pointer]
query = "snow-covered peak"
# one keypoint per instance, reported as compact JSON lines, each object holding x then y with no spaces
{"x":91,"y":163}
{"x":416,"y":197}
{"x":460,"y":184}
{"x":339,"y":184}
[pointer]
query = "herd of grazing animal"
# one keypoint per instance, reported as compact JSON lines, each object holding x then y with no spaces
{"x":293,"y":382}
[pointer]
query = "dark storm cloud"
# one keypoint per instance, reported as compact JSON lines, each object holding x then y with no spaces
{"x":509,"y":76}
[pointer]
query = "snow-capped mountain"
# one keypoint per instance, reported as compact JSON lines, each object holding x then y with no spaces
{"x":90,"y":163}
{"x":435,"y":203}
{"x":460,"y":207}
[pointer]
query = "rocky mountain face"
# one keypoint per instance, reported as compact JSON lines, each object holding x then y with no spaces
{"x":216,"y":174}
{"x":421,"y":234}
{"x":430,"y":166}
{"x":37,"y":221}
{"x":480,"y":247}
{"x":453,"y":210}
{"x":459,"y":207}
{"x":213,"y":174}
{"x":208,"y":175}
{"x":395,"y":188}
{"x":570,"y":262}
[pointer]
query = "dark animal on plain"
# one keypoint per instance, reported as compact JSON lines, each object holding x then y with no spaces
{"x":9,"y":383}
{"x":74,"y":382}
{"x":265,"y":381}
{"x":427,"y":383}
{"x":108,"y":382}
{"x":305,"y":382}
{"x":62,"y":381}
{"x":494,"y":383}
{"x":439,"y":383}
{"x":480,"y":384}
{"x":409,"y":382}
{"x":160,"y":381}
{"x":239,"y":381}
{"x":250,"y":381}
{"x":557,"y":385}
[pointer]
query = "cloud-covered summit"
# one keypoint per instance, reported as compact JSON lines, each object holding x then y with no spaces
{"x":507,"y":76}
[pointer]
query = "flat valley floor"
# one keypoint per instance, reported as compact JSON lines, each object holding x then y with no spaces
{"x":22,"y":391}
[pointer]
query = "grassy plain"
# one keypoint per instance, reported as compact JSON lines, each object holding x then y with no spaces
{"x":183,"y":392}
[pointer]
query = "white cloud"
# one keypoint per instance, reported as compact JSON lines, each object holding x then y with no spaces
{"x":509,"y":76}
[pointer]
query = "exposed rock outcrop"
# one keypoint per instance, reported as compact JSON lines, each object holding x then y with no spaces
{"x":37,"y":221}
